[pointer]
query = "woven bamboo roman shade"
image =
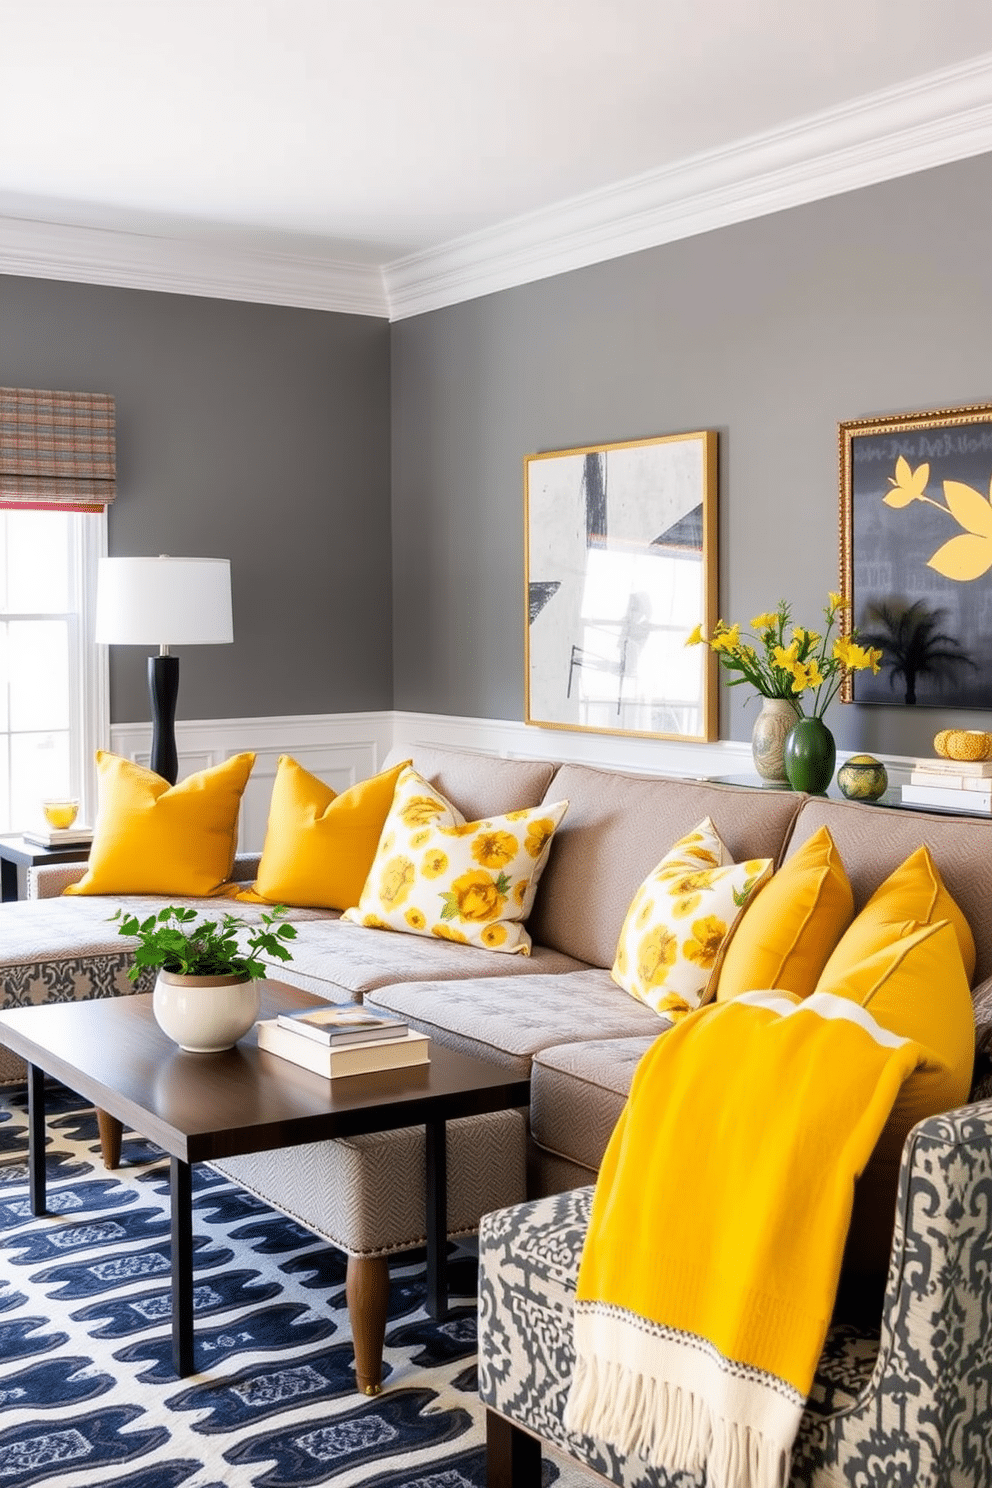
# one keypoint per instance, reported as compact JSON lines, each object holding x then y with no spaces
{"x":57,"y":450}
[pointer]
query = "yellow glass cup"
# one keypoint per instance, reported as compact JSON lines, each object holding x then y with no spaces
{"x":60,"y":813}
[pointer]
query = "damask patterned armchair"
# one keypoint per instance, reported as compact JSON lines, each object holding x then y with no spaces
{"x":908,"y":1405}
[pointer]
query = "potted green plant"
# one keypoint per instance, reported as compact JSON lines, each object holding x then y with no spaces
{"x":206,"y":993}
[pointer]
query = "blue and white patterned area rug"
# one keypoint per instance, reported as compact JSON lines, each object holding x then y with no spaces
{"x":88,"y":1395}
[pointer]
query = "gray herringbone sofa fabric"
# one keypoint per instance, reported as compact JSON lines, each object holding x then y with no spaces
{"x":617,"y":828}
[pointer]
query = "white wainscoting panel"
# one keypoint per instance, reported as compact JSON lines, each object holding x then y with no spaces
{"x":343,"y":748}
{"x":612,"y":751}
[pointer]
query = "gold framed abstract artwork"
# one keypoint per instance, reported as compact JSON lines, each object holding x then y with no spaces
{"x":620,"y":567}
{"x":916,"y":554}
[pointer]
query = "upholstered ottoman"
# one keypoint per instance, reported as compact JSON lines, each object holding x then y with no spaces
{"x":366,"y":1196}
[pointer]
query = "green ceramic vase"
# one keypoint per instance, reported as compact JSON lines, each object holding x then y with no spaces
{"x":810,"y":755}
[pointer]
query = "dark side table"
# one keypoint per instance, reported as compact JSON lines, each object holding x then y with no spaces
{"x":17,"y":856}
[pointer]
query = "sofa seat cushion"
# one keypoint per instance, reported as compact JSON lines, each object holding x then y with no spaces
{"x":592,"y":1076}
{"x":510,"y":1019}
{"x":335,"y":955}
{"x":57,"y":950}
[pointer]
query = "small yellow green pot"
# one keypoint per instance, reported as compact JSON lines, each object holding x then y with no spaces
{"x":863,"y":778}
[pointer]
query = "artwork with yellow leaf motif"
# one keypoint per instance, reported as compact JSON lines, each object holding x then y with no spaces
{"x":916,"y":555}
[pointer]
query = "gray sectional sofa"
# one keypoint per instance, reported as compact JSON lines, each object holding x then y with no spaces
{"x":556,"y":1015}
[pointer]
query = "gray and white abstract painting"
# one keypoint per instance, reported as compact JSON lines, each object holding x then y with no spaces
{"x":620,"y":543}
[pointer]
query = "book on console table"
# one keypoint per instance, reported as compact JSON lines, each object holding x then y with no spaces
{"x":342,"y":1023}
{"x":978,"y":799}
{"x":347,"y":1059}
{"x":52,"y":837}
{"x":966,"y":769}
{"x":949,"y":780}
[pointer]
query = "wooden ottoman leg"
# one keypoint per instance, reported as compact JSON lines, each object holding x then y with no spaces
{"x":513,"y":1456}
{"x":367,"y":1291}
{"x":111,"y":1131}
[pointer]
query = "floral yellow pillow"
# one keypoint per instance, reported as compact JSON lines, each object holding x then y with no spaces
{"x":680,"y":921}
{"x":436,"y":874}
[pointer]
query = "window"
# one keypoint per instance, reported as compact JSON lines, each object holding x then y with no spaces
{"x":53,"y":685}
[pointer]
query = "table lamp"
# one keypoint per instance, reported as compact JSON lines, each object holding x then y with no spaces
{"x":164,"y":602}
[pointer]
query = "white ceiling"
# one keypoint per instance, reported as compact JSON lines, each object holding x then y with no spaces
{"x":388,"y":134}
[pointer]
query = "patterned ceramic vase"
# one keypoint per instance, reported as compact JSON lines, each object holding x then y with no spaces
{"x":771,"y":728}
{"x":810,"y":755}
{"x":863,"y":778}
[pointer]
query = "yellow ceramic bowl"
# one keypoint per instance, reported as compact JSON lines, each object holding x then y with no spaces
{"x":61,"y":813}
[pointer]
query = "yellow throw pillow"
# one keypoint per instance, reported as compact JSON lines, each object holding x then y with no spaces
{"x":154,"y":838}
{"x":680,"y":919}
{"x":913,"y":895}
{"x":436,"y":874}
{"x":319,"y":846}
{"x":915,"y":987}
{"x":783,"y":941}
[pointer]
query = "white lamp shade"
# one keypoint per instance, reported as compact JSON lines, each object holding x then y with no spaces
{"x":164,"y":602}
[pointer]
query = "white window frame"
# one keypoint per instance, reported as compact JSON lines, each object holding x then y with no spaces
{"x":89,"y":688}
{"x":91,"y":670}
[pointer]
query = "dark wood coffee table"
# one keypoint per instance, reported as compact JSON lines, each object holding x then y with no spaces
{"x":202,"y":1106}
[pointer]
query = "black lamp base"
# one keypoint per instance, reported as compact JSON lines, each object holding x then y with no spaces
{"x":163,"y":685}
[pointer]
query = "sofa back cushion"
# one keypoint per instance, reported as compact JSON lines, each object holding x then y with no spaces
{"x":479,"y":785}
{"x":617,"y":828}
{"x":873,"y":841}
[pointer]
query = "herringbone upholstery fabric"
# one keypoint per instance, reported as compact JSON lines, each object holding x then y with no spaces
{"x":592,"y":1077}
{"x":366,"y":1194}
{"x":617,"y":829}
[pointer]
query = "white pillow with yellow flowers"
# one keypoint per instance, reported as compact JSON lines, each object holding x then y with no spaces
{"x":434,"y":873}
{"x":680,"y":920}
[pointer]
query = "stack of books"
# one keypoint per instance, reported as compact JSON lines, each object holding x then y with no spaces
{"x":343,"y":1038}
{"x":963,"y":785}
{"x":59,"y":837}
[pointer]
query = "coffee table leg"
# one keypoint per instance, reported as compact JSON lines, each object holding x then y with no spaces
{"x":437,"y":1220}
{"x":181,"y":1183}
{"x":36,"y":1138}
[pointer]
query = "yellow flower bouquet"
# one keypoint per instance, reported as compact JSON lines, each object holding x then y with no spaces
{"x":806,"y":667}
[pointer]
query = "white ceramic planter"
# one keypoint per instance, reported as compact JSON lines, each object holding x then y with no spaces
{"x":204,"y":1014}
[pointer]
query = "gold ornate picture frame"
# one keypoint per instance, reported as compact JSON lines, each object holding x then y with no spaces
{"x":620,"y":567}
{"x":916,"y":554}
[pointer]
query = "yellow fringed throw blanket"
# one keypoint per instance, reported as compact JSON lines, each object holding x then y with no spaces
{"x":713,"y":1254}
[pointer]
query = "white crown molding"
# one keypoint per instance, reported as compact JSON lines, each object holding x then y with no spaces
{"x":944,"y":116}
{"x":930,"y":121}
{"x":87,"y":255}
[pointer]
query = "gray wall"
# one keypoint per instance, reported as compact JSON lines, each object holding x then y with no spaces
{"x":770,"y":331}
{"x":253,"y":432}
